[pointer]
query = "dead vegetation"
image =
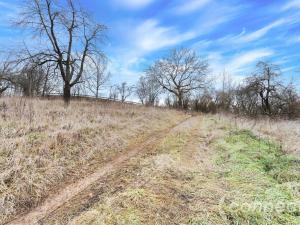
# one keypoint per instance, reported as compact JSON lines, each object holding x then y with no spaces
{"x":44,"y":144}
{"x":183,"y":181}
{"x":175,"y":183}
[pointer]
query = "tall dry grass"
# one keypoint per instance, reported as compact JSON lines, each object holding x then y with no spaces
{"x":44,"y":144}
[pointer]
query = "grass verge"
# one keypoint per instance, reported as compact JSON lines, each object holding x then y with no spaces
{"x":263,"y":182}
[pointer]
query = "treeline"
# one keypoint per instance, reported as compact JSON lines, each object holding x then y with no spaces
{"x":70,"y":61}
{"x":183,"y":77}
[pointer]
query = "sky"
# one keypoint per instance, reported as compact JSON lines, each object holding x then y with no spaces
{"x":233,"y":35}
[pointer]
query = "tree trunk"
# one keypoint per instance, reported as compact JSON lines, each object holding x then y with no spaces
{"x":180,"y":101}
{"x":67,"y":93}
{"x":2,"y":90}
{"x":97,"y":93}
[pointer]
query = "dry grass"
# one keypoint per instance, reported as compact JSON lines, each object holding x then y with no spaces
{"x":43,"y":144}
{"x":186,"y":179}
{"x":173,"y":185}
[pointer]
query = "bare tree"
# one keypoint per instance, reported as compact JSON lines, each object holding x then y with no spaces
{"x":265,"y":82}
{"x":50,"y":76}
{"x":5,"y":74}
{"x":141,"y":90}
{"x":125,"y":91}
{"x":225,"y":96}
{"x":113,"y":93}
{"x":180,"y":73}
{"x":71,"y":37}
{"x":205,"y":102}
{"x":263,"y":93}
{"x":97,"y":75}
{"x":148,"y":90}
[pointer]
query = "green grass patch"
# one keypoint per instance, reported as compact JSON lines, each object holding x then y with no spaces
{"x":263,"y":181}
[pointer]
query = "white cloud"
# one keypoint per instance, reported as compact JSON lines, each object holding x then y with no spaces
{"x":242,"y":60}
{"x":256,"y":35}
{"x":145,"y":37}
{"x":191,"y":6}
{"x":133,"y":4}
{"x":291,"y":4}
{"x":261,"y":32}
{"x":150,"y":36}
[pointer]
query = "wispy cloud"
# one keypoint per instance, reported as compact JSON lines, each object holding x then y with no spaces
{"x":261,"y":32}
{"x":133,"y":4}
{"x":246,"y":37}
{"x":151,"y":36}
{"x":145,"y":38}
{"x":239,"y":61}
{"x":291,"y":5}
{"x":190,"y":6}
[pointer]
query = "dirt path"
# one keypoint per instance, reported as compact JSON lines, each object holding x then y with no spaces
{"x":55,"y":201}
{"x":174,"y":183}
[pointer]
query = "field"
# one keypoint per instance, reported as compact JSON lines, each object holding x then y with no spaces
{"x":108,"y":163}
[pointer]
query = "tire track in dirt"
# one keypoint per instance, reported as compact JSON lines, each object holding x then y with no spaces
{"x":55,"y":201}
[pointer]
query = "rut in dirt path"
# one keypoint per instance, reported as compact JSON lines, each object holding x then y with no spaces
{"x":70,"y":191}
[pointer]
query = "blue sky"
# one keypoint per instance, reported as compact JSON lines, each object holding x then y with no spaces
{"x":233,"y":34}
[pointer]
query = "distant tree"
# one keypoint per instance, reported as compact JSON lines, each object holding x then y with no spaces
{"x":141,"y":90}
{"x":124,"y":91}
{"x":287,"y":102}
{"x":148,"y":90}
{"x":70,"y":34}
{"x":180,"y":73}
{"x":204,"y":102}
{"x":33,"y":79}
{"x":225,"y":96}
{"x":247,"y":100}
{"x":113,"y":93}
{"x":97,"y":75}
{"x":264,"y":81}
{"x":264,"y":93}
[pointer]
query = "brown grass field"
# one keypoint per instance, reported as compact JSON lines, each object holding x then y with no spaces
{"x":43,"y":145}
{"x":177,"y":177}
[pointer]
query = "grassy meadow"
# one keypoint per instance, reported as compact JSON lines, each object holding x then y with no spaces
{"x":206,"y":169}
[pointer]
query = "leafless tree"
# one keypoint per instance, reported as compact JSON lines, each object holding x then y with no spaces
{"x":225,"y":96}
{"x":113,"y":93}
{"x":246,"y":100}
{"x":141,"y":89}
{"x":204,"y":102}
{"x":125,"y":91}
{"x":33,"y":79}
{"x":5,"y":76}
{"x":70,"y":37}
{"x":264,"y":93}
{"x":180,"y":73}
{"x":287,"y":102}
{"x":50,"y":76}
{"x":148,"y":90}
{"x":97,"y":75}
{"x":264,"y":81}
